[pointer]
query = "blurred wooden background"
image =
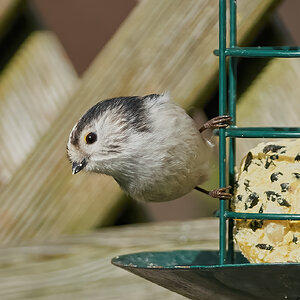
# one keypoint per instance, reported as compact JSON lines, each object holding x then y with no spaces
{"x":60,"y":57}
{"x":92,"y":23}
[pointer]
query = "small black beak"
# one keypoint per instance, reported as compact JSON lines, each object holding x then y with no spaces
{"x":77,"y":167}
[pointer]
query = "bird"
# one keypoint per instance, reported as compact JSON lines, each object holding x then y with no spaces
{"x":148,"y":144}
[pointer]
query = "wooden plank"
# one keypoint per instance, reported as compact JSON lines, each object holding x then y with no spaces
{"x":163,"y":45}
{"x":34,"y":87}
{"x":271,"y":100}
{"x":78,"y":267}
{"x":8,"y":9}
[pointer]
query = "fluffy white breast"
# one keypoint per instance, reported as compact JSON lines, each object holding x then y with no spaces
{"x":172,"y":159}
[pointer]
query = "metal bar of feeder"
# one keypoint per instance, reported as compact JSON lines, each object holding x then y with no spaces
{"x":262,"y":216}
{"x":256,"y":52}
{"x":232,"y":77}
{"x":222,"y":139}
{"x":263,"y":132}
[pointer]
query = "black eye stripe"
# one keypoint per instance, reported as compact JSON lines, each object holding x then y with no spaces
{"x":91,"y":138}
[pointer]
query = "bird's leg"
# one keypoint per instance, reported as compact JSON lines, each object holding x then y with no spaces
{"x":217,"y":122}
{"x":217,"y":193}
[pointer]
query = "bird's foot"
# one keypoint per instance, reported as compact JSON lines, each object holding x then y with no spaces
{"x":217,"y":193}
{"x":221,"y":193}
{"x":216,"y":122}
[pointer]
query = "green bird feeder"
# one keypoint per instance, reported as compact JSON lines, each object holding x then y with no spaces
{"x":226,"y":274}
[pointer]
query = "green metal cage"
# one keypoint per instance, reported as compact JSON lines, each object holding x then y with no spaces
{"x":225,"y":274}
{"x":227,"y":104}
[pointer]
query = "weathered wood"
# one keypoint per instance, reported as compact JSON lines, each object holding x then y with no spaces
{"x":163,"y":45}
{"x":271,"y":100}
{"x":5,"y":7}
{"x":34,"y":87}
{"x":78,"y":267}
{"x":8,"y":8}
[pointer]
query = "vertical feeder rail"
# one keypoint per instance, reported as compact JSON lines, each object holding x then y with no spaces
{"x":233,"y":132}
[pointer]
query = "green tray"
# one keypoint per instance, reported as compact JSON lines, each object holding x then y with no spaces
{"x":198,"y":275}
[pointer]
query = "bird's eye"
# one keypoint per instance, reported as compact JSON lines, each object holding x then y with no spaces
{"x":90,"y":138}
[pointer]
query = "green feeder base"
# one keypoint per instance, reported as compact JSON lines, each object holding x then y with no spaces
{"x":197,"y":275}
